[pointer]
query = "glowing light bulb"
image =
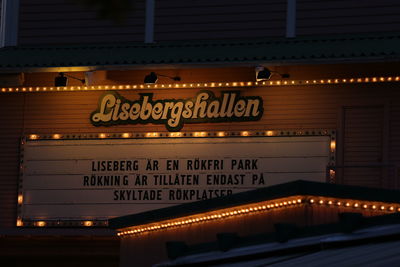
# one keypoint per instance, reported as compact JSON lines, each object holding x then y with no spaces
{"x":33,"y":136}
{"x":20,"y":199}
{"x":333,"y":145}
{"x":41,"y":223}
{"x":88,"y":223}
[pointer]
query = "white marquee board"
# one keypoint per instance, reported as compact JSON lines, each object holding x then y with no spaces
{"x":99,"y":179}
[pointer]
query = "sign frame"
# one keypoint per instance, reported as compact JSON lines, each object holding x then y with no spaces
{"x":330,"y":173}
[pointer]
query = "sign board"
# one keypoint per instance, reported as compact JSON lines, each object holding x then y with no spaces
{"x":114,"y":109}
{"x":102,"y":178}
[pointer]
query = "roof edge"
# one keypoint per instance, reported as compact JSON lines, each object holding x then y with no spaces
{"x":299,"y":187}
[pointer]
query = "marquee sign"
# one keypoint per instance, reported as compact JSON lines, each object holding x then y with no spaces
{"x":174,"y":113}
{"x":96,"y":179}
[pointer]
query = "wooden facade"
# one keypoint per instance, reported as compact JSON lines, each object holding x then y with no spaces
{"x":361,"y":109}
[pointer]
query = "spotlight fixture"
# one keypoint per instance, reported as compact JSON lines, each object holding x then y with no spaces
{"x":263,"y":74}
{"x":152,"y":78}
{"x":62,"y":79}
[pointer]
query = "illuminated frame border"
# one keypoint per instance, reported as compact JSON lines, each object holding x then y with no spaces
{"x":242,"y":84}
{"x":133,"y":135}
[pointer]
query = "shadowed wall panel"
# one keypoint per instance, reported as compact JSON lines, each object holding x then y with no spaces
{"x":219,"y":19}
{"x":363,"y":145}
{"x":344,"y":16}
{"x":11,"y":120}
{"x":66,"y":22}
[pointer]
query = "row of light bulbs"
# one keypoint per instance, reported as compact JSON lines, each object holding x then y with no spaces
{"x":184,"y":134}
{"x":211,"y":216}
{"x":203,"y":85}
{"x":260,"y":207}
{"x":355,"y":204}
{"x":43,"y":223}
{"x":332,"y":144}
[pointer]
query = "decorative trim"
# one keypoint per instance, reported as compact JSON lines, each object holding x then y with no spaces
{"x":208,"y":134}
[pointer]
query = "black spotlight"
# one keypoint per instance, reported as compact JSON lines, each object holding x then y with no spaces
{"x":263,"y":74}
{"x":151,"y":78}
{"x":61,"y":80}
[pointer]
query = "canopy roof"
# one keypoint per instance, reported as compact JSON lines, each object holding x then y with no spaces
{"x":296,"y":188}
{"x":380,"y":47}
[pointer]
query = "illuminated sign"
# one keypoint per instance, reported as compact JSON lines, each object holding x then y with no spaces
{"x":96,"y":179}
{"x":174,"y":113}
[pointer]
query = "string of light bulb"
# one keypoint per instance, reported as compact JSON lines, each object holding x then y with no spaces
{"x":241,"y":84}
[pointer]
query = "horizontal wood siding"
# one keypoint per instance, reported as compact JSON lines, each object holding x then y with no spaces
{"x":218,"y":19}
{"x":284,"y":108}
{"x":347,"y":16}
{"x":11,"y":120}
{"x":363,"y":145}
{"x":65,"y":22}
